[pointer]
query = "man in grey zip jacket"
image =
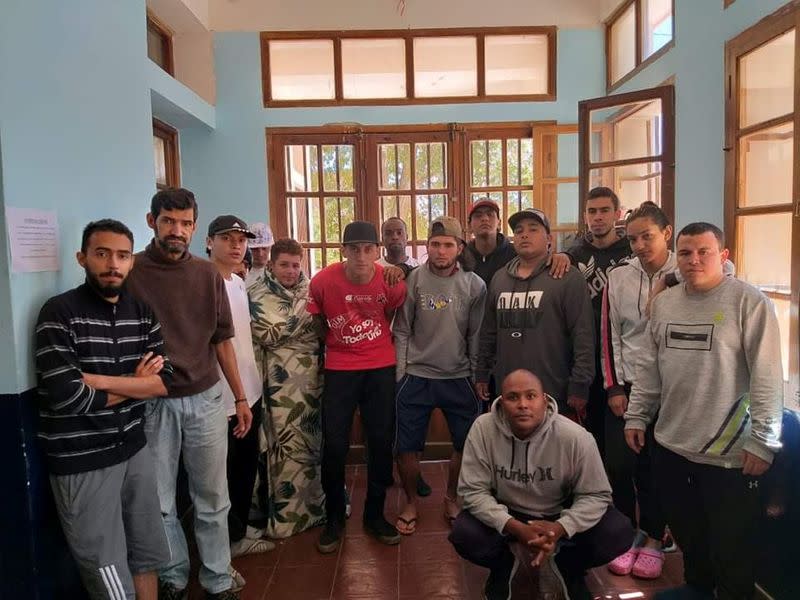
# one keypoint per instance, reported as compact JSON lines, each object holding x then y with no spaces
{"x":527,"y":472}
{"x":536,"y":322}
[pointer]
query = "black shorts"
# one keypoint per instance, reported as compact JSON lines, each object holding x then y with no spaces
{"x":416,"y":399}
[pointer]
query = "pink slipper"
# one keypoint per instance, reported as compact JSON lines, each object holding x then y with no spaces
{"x":648,"y":564}
{"x":623,"y":564}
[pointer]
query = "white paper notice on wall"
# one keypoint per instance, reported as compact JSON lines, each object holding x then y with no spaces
{"x":33,"y":239}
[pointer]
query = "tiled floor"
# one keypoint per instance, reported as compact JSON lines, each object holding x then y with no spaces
{"x":423,"y":566}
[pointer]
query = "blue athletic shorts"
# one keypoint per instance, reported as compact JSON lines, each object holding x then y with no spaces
{"x":418,"y":396}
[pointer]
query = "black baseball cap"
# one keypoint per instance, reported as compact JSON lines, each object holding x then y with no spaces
{"x":360,"y":232}
{"x":529,"y":213}
{"x":225,"y":223}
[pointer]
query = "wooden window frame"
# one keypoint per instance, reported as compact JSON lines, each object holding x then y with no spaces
{"x":458,"y":135}
{"x":640,"y":64}
{"x":157,"y":26}
{"x":767,"y":29}
{"x":172,"y":156}
{"x":664,"y":93}
{"x":408,"y":35}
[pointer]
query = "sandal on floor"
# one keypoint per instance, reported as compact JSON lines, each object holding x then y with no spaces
{"x":247,"y":546}
{"x":648,"y":564}
{"x":406,"y":526}
{"x":623,"y":564}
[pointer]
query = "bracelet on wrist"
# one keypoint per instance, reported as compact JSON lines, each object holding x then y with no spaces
{"x":240,"y":400}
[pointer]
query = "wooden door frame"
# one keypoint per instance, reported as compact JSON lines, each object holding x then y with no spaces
{"x":767,"y":29}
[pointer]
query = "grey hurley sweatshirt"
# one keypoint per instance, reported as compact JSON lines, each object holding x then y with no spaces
{"x":436,"y":330}
{"x":711,"y":367}
{"x":541,"y":324}
{"x":536,"y":476}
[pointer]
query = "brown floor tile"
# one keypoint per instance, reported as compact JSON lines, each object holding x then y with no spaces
{"x":364,"y":549}
{"x":307,"y":582}
{"x":369,"y":579}
{"x":302,"y":550}
{"x":426,"y":580}
{"x":427,"y":547}
{"x":258,"y":580}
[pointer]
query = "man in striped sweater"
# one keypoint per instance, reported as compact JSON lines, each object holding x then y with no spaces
{"x":99,"y":354}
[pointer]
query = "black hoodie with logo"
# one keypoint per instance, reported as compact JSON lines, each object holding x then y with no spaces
{"x":541,"y":324}
{"x":594,"y":264}
{"x":486,"y":266}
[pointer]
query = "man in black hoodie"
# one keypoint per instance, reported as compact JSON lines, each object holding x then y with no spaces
{"x":490,"y":249}
{"x":594,"y":254}
{"x":536,"y":322}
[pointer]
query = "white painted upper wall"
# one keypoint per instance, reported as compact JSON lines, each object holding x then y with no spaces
{"x":303,"y":15}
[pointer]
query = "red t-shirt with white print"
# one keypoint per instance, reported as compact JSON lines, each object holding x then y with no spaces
{"x":359,"y":335}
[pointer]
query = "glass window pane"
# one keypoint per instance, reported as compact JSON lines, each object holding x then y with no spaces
{"x":156,"y":47}
{"x":495,"y":156}
{"x":374,"y":68}
{"x":337,"y":168}
{"x":479,"y":164}
{"x":519,"y":162}
{"x":635,"y":131}
{"x":159,"y":154}
{"x":397,"y":206}
{"x":633,"y":183}
{"x":314,"y":258}
{"x":301,"y":70}
{"x":765,"y":173}
{"x":430,"y":165}
{"x":304,"y":220}
{"x":516,"y":64}
{"x":771,"y":270}
{"x":622,"y":44}
{"x":333,"y":255}
{"x":445,"y":66}
{"x":766,"y":81}
{"x":657,"y":25}
{"x":302,"y":171}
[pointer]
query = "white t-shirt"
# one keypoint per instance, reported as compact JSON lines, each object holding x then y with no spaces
{"x":242,"y":345}
{"x":410,"y":261}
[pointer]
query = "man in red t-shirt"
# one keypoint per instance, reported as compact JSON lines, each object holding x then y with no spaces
{"x":355,"y":307}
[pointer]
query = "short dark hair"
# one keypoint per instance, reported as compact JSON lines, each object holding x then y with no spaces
{"x":393,"y":219}
{"x":701,"y":227}
{"x":603,"y":192}
{"x":285,"y":246}
{"x":111,"y":225}
{"x":173,"y":199}
{"x":649,"y":210}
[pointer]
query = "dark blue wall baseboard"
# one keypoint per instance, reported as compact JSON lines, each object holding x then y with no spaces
{"x":34,"y":559}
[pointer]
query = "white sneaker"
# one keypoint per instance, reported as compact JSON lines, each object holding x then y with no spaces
{"x":255,"y":534}
{"x":238,"y":581}
{"x":249,"y":546}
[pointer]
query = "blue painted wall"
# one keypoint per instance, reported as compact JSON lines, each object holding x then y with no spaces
{"x":698,"y":63}
{"x":226,"y":167}
{"x":76,"y":135}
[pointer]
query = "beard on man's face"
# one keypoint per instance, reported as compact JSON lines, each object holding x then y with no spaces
{"x":173,"y":244}
{"x":108,"y":288}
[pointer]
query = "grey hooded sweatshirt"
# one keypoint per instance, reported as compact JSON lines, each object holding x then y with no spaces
{"x":541,"y":324}
{"x":557,"y":464}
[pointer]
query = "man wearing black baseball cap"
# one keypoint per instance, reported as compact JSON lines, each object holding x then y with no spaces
{"x":226,"y":244}
{"x":354,"y":307}
{"x":536,"y":322}
{"x":490,"y":249}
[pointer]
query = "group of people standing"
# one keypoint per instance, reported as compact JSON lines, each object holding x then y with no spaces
{"x":606,"y":413}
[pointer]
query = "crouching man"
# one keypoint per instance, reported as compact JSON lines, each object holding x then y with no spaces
{"x":535,"y":496}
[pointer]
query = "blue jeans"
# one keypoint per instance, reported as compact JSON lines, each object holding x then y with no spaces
{"x":197,"y":426}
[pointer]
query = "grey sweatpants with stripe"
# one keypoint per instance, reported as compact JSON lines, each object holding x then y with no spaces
{"x":112,"y":521}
